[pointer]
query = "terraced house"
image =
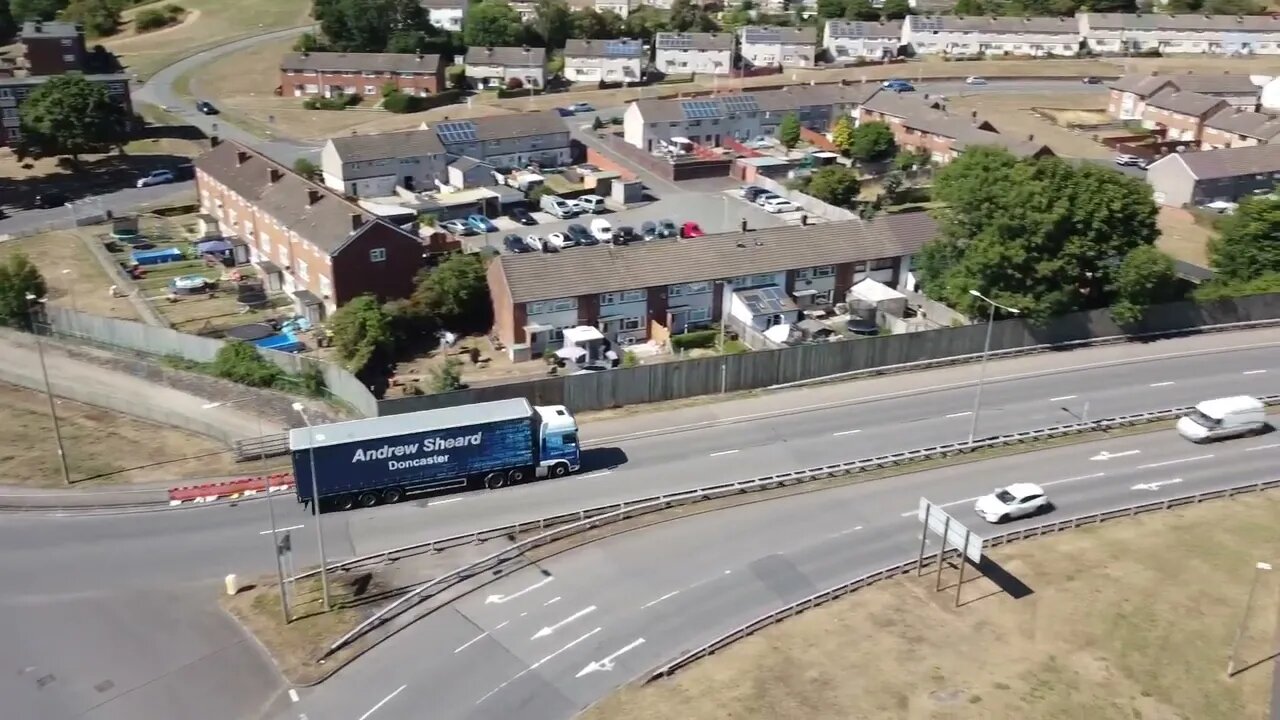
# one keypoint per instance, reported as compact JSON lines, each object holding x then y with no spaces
{"x":326,"y":74}
{"x":981,"y":36}
{"x":1188,"y":33}
{"x":700,"y":53}
{"x":493,"y":67}
{"x":764,"y":46}
{"x":608,"y":61}
{"x":1234,"y":128}
{"x":304,"y":239}
{"x":1180,"y":115}
{"x":658,"y":288}
{"x":1129,"y":94}
{"x":926,"y":128}
{"x":845,"y":39}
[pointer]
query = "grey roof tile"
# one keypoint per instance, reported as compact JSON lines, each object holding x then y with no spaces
{"x":508,"y":56}
{"x":1245,"y":122}
{"x":925,"y":117}
{"x":379,"y":146}
{"x":855,"y":29}
{"x":693,"y":41}
{"x":360,"y":62}
{"x":1146,"y":85}
{"x":787,"y":99}
{"x":1186,"y":22}
{"x":767,"y":34}
{"x":1232,"y":162}
{"x":1000,"y":25}
{"x":620,"y":48}
{"x":1185,"y":103}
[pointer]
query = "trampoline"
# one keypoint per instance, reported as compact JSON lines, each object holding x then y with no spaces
{"x":190,"y":282}
{"x":124,"y":235}
{"x":253,"y":332}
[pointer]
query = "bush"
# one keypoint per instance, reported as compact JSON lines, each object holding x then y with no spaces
{"x":156,"y":18}
{"x":240,"y":362}
{"x":695,"y":339}
{"x":398,"y":102}
{"x":447,"y":377}
{"x":337,"y":102}
{"x":514,"y":83}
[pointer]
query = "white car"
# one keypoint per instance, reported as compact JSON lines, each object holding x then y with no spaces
{"x":767,"y":196}
{"x":779,"y":205}
{"x":534,"y":242}
{"x":601,"y":230}
{"x":156,"y":177}
{"x":1222,"y":207}
{"x":458,"y":227}
{"x":975,"y":80}
{"x":1016,"y":501}
{"x":593,"y":204}
{"x":560,"y":241}
{"x":1127,"y":159}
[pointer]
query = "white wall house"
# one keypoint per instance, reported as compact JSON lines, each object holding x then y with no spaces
{"x":980,"y":36}
{"x":701,"y":53}
{"x":445,"y":14}
{"x":1178,"y":34}
{"x":611,"y":61}
{"x":848,"y":40}
{"x":763,"y":46}
{"x":496,"y":66}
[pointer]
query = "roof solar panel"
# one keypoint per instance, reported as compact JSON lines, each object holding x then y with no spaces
{"x":926,"y":23}
{"x":675,"y":41}
{"x":457,"y":132}
{"x":619,"y":48}
{"x":700,"y":109}
{"x":740,"y":103}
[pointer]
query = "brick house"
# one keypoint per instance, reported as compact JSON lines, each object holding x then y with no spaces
{"x":325,"y":74}
{"x":52,"y":48}
{"x":1129,"y":94}
{"x":658,"y":288}
{"x":305,"y":240}
{"x":926,"y":128}
{"x":1233,"y":128}
{"x":1180,"y":115}
{"x":1199,"y":178}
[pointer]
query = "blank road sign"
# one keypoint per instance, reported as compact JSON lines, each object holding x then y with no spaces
{"x":938,"y":519}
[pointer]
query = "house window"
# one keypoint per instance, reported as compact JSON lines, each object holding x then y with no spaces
{"x":884,"y":264}
{"x":694,"y":288}
{"x":632,"y":323}
{"x":378,"y":255}
{"x":6,"y":94}
{"x":370,"y":90}
{"x":622,"y":297}
{"x":68,"y":58}
{"x":550,"y":306}
{"x":66,"y":42}
{"x":14,"y":134}
{"x":303,"y":271}
{"x":699,"y":314}
{"x":326,"y":286}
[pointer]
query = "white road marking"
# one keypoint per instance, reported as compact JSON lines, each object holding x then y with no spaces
{"x":1155,"y":485}
{"x":960,"y":414}
{"x":602,"y":473}
{"x":555,"y":599}
{"x":852,"y":529}
{"x":1072,"y":479}
{"x":535,"y":666}
{"x":508,"y":598}
{"x":552,"y":628}
{"x":1062,"y":397}
{"x":845,"y":432}
{"x":1253,"y":372}
{"x":469,"y":643}
{"x":382,"y":702}
{"x":916,"y":513}
{"x":723,"y":452}
{"x":444,"y":502}
{"x":291,"y":527}
{"x":668,"y":596}
{"x":1174,"y":462}
{"x":607,"y":663}
{"x":1105,"y":455}
{"x":293,"y":694}
{"x":1262,"y":447}
{"x":1161,"y":384}
{"x":501,"y":625}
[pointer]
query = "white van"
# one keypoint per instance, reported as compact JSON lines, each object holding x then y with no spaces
{"x":1224,"y":418}
{"x":557,"y":206}
{"x":593,"y":204}
{"x":602,"y":230}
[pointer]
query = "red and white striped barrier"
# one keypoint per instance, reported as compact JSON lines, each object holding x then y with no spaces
{"x":231,"y":489}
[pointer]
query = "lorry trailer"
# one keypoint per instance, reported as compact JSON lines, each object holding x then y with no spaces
{"x":382,"y":460}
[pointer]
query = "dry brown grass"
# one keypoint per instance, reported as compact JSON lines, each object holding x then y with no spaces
{"x":102,"y":447}
{"x":1182,"y":237}
{"x":1128,"y":620}
{"x":85,"y":286}
{"x":1012,"y":115}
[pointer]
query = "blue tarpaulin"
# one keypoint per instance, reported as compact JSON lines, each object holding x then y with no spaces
{"x":213,"y":246}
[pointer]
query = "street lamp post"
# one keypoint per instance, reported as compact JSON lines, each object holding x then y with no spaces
{"x":315,"y":501}
{"x":986,"y":349}
{"x":32,"y":300}
{"x":271,"y":510}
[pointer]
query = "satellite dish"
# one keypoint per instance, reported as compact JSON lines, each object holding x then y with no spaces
{"x":1270,"y":99}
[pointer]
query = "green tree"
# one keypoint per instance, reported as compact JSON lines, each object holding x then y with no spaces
{"x":362,"y":333}
{"x":8,"y":28}
{"x":1249,"y":245}
{"x":1145,"y":277}
{"x":969,"y":8}
{"x":448,"y":376}
{"x":592,"y":25}
{"x":23,"y":10}
{"x":367,"y":25}
{"x":789,"y":131}
{"x":68,"y":115}
{"x":1232,"y":7}
{"x":552,"y":22}
{"x":306,"y":168}
{"x":491,"y":23}
{"x":835,"y":185}
{"x":842,"y":135}
{"x":455,"y":294}
{"x":457,"y":76}
{"x":907,"y":160}
{"x":1042,"y":236}
{"x":555,"y":64}
{"x":241,"y":362}
{"x":895,"y":9}
{"x":100,"y":17}
{"x":19,"y":277}
{"x":690,"y":16}
{"x":872,"y":142}
{"x":860,"y":10}
{"x":644,"y":22}
{"x":308,"y":42}
{"x":407,"y":42}
{"x":831,"y":8}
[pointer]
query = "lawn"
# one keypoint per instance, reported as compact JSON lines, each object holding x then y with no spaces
{"x":102,"y":447}
{"x":73,"y":275}
{"x":1129,"y":620}
{"x":1012,"y":115}
{"x":1183,"y":238}
{"x":209,"y":23}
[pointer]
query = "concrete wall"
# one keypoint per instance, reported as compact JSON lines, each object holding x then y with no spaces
{"x":701,"y":376}
{"x":811,"y":205}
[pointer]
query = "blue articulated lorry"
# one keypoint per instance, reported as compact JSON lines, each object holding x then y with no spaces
{"x":363,"y":463}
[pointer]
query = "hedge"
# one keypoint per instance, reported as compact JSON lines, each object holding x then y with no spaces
{"x":695,"y":339}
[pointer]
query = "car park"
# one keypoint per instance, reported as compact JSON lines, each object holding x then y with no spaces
{"x":779,"y":205}
{"x":975,"y":80}
{"x":560,"y":241}
{"x":691,"y":230}
{"x":206,"y":108}
{"x":593,"y":204}
{"x":1010,"y":503}
{"x":765,"y":197}
{"x":522,"y":216}
{"x":649,"y":230}
{"x":898,"y":86}
{"x":625,"y":234}
{"x":666,"y":228}
{"x":156,"y":177}
{"x":515,"y":244}
{"x":601,"y":230}
{"x":580,"y":234}
{"x":535,"y":242}
{"x":481,"y":224}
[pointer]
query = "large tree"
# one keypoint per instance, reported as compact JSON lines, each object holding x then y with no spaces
{"x":1249,"y":245}
{"x":18,"y":279}
{"x":1043,"y":236}
{"x":871,"y":142}
{"x":68,"y":115}
{"x":36,"y":9}
{"x":842,"y":135}
{"x":455,"y":294}
{"x":835,"y":185}
{"x":99,"y":17}
{"x":689,"y":16}
{"x":362,"y":333}
{"x":368,"y":25}
{"x":831,"y":8}
{"x":591,"y":25}
{"x":1145,"y":277}
{"x":896,"y":9}
{"x":552,"y":22}
{"x":860,"y":10}
{"x":789,"y":130}
{"x":491,"y":23}
{"x":8,"y":28}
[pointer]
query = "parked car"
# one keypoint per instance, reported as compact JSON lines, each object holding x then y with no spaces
{"x":49,"y":200}
{"x":898,"y":86}
{"x":522,"y":216}
{"x":779,"y":205}
{"x":760,"y":142}
{"x":560,"y":241}
{"x":666,"y":228}
{"x":515,"y":244}
{"x":1016,"y":501}
{"x":602,"y":230}
{"x":593,"y":204}
{"x":765,"y":197}
{"x":535,"y":242}
{"x":481,"y":224}
{"x":1091,"y":80}
{"x":691,"y":230}
{"x":749,"y":192}
{"x":458,"y":227}
{"x":1127,"y":159}
{"x":580,"y":235}
{"x":581,"y":107}
{"x":975,"y":80}
{"x":204,"y":107}
{"x":156,"y":177}
{"x":557,"y":207}
{"x":625,"y":234}
{"x":564,"y":112}
{"x":649,"y":230}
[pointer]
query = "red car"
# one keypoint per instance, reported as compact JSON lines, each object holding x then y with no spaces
{"x":691,"y":230}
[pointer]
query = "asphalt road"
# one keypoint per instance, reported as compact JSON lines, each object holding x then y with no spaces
{"x":20,"y":222}
{"x":531,"y":653}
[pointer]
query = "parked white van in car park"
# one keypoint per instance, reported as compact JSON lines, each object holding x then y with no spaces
{"x":557,"y":206}
{"x":602,"y":230}
{"x":593,"y":204}
{"x":1224,"y":418}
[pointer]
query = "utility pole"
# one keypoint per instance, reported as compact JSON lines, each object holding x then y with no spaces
{"x":32,"y":301}
{"x":315,"y":501}
{"x":986,"y":349}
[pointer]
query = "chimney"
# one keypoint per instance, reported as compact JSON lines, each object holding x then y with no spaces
{"x":742,"y":244}
{"x":1031,"y":138}
{"x":274,"y":175}
{"x":357,"y":221}
{"x":744,"y":224}
{"x":214,"y":141}
{"x":759,"y":243}
{"x":419,"y":57}
{"x":313,"y":196}
{"x":306,"y":53}
{"x":242,"y":157}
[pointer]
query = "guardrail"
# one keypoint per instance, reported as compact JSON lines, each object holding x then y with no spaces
{"x":584,"y":519}
{"x":902,"y":568}
{"x":264,"y":446}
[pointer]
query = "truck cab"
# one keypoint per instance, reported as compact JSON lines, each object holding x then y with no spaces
{"x":559,"y":454}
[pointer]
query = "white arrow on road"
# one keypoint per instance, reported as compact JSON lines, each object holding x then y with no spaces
{"x":607,"y":663}
{"x":505,"y":598}
{"x":552,"y":628}
{"x":1155,"y":485}
{"x":1104,"y":455}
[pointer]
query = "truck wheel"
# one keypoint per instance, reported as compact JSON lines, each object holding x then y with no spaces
{"x":516,"y":476}
{"x":390,"y":496}
{"x":345,"y":502}
{"x":559,"y":470}
{"x":495,"y":480}
{"x":368,"y":499}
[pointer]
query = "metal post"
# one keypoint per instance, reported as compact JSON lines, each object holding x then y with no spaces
{"x":946,"y":527}
{"x":1248,"y":603}
{"x":53,"y":413}
{"x":924,"y":539}
{"x":982,"y":375}
{"x":1084,"y":416}
{"x":315,"y":504}
{"x":271,"y":512}
{"x":960,"y":582}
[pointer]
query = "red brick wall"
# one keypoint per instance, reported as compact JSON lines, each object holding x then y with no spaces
{"x":504,"y":311}
{"x":605,"y":163}
{"x":431,"y":83}
{"x":817,"y":139}
{"x":45,"y":55}
{"x":907,"y":137}
{"x":355,"y":274}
